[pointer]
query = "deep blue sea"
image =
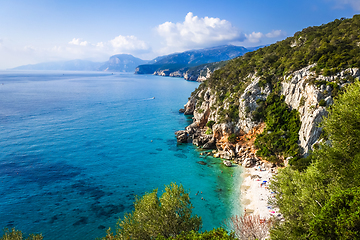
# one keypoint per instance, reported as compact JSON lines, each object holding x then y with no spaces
{"x":76,"y":147}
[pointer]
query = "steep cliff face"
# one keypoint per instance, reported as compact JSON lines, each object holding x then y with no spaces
{"x":310,"y":94}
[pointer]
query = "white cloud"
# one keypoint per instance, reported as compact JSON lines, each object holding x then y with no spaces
{"x":355,"y":4}
{"x":77,"y":41}
{"x":197,"y":32}
{"x":127,"y":43}
{"x":254,"y":37}
{"x":275,"y":34}
{"x":257,"y":37}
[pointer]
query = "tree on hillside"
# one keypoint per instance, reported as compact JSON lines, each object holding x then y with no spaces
{"x":166,"y":216}
{"x":303,"y":197}
{"x":13,"y":234}
{"x":339,"y":218}
{"x":215,"y":234}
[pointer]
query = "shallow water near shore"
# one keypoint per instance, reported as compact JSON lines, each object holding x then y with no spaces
{"x":77,"y":147}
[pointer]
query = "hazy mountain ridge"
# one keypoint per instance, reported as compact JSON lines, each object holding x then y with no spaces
{"x":192,"y":65}
{"x":122,"y":63}
{"x":178,"y":64}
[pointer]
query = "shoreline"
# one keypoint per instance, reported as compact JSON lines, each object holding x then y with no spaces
{"x":255,"y":192}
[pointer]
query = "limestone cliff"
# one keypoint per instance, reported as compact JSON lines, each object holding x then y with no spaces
{"x":304,"y":90}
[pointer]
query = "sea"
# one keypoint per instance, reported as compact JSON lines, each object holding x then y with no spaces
{"x":76,"y":148}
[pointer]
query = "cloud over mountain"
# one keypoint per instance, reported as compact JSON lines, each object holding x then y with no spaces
{"x":198,"y":32}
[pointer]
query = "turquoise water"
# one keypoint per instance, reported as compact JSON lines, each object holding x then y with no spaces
{"x":77,"y":147}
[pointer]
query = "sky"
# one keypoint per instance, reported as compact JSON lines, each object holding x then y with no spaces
{"x":34,"y":31}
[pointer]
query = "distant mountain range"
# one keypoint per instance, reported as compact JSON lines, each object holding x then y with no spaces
{"x":121,"y":63}
{"x":185,"y":60}
{"x":190,"y":64}
{"x":116,"y":63}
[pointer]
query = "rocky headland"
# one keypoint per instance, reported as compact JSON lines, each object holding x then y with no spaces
{"x":304,"y":90}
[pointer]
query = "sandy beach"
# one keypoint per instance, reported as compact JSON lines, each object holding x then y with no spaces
{"x":255,"y":193}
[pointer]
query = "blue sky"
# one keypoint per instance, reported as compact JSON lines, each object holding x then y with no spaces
{"x":33,"y":31}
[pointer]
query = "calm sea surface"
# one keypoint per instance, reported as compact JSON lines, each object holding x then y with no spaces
{"x":75,"y":148}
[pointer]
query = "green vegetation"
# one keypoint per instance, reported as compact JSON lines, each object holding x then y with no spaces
{"x":339,"y":218}
{"x":215,"y":234}
{"x":210,"y":124}
{"x":333,"y":47}
{"x":14,"y":234}
{"x":322,"y":202}
{"x":280,"y":137}
{"x":232,"y":138}
{"x":322,"y":103}
{"x":167,"y":216}
{"x":209,"y":131}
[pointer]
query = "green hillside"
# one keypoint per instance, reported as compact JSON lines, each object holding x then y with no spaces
{"x":333,"y":47}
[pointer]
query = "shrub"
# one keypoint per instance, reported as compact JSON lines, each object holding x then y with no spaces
{"x":281,"y":135}
{"x":215,"y":234}
{"x":210,"y":124}
{"x":232,"y":138}
{"x":14,"y":234}
{"x":322,"y":103}
{"x":209,"y":131}
{"x":302,"y":101}
{"x":166,"y":216}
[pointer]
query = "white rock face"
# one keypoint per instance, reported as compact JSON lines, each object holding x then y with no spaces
{"x":300,"y":93}
{"x":305,"y":97}
{"x":248,"y":104}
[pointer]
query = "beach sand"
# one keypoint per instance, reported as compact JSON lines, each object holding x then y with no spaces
{"x":255,"y":194}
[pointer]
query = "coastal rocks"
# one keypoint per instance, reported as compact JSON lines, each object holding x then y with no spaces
{"x":190,"y":106}
{"x":181,"y":136}
{"x":227,"y":163}
{"x":210,"y":144}
{"x":248,"y":162}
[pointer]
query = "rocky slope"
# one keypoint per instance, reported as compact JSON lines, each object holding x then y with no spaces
{"x":308,"y":93}
{"x":287,"y":85}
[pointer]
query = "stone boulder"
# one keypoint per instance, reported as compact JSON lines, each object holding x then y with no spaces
{"x":227,"y":163}
{"x":248,"y":162}
{"x":210,"y":144}
{"x":181,"y":136}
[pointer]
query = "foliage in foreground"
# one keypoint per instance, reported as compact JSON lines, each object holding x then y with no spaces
{"x":215,"y":234}
{"x":321,"y":202}
{"x":13,"y":234}
{"x":167,"y":216}
{"x":249,"y":227}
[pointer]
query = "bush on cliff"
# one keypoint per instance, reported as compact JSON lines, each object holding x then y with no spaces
{"x":280,"y":137}
{"x":308,"y":199}
{"x":167,"y":216}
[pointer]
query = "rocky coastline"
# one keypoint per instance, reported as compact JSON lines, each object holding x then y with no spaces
{"x":304,"y":90}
